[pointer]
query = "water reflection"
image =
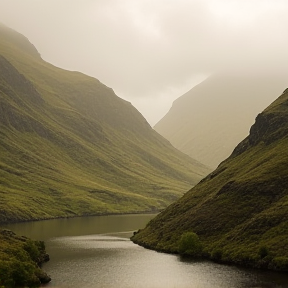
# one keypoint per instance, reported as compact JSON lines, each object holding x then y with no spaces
{"x":47,"y":229}
{"x":113,"y":261}
{"x":94,"y":252}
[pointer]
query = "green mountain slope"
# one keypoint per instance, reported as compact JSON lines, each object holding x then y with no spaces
{"x":239,"y":211}
{"x":208,"y":121}
{"x":69,"y":146}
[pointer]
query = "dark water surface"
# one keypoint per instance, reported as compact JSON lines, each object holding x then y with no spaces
{"x":92,"y":252}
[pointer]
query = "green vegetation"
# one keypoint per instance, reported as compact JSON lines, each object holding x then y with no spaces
{"x":20,"y":260}
{"x":189,"y":244}
{"x":239,"y":211}
{"x":70,"y":147}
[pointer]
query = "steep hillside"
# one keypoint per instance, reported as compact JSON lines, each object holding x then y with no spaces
{"x":69,"y":146}
{"x":239,"y":211}
{"x":208,"y":121}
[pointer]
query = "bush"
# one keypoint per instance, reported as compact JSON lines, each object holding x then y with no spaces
{"x":20,"y":258}
{"x":190,"y":244}
{"x":33,"y":250}
{"x":263,"y":252}
{"x":216,"y":254}
{"x":15,"y":273}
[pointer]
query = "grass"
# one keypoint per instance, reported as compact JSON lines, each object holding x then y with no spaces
{"x":70,"y":147}
{"x":241,"y":208}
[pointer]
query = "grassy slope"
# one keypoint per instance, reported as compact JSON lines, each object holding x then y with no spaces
{"x":69,"y":146}
{"x":241,"y":208}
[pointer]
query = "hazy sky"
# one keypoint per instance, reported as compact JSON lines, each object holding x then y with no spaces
{"x":153,"y":51}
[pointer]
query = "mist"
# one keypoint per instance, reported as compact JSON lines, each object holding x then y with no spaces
{"x":152,"y":52}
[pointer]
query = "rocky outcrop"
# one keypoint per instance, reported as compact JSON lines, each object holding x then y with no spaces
{"x":269,"y":127}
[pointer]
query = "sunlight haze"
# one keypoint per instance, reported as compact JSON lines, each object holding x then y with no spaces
{"x":152,"y":52}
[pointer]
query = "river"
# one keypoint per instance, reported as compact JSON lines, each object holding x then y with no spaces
{"x":92,"y":252}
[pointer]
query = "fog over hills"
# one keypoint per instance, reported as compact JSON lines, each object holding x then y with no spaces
{"x":153,"y":51}
{"x":209,"y":120}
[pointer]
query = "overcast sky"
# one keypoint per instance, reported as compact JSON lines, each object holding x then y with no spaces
{"x":150,"y":52}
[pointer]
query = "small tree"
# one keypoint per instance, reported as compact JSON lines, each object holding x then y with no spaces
{"x":190,"y":244}
{"x":263,"y":252}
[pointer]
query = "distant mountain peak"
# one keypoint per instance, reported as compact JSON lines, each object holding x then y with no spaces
{"x":208,"y":121}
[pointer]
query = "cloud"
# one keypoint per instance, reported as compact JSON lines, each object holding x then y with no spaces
{"x":147,"y":49}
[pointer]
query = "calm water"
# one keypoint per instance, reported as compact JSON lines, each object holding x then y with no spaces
{"x":94,"y":252}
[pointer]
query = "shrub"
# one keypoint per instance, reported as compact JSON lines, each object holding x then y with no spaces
{"x":20,"y":258}
{"x":32,"y":248}
{"x":190,"y":244}
{"x":15,"y":273}
{"x":216,"y":254}
{"x":263,"y":252}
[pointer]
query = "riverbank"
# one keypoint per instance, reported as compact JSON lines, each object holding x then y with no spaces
{"x":263,"y":261}
{"x":86,"y":251}
{"x":20,"y":261}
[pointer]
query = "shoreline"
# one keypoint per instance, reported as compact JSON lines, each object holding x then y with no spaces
{"x":79,"y":216}
{"x":265,"y":266}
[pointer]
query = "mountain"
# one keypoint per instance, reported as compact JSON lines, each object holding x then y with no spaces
{"x":69,"y":146}
{"x":209,"y":120}
{"x":239,"y":212}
